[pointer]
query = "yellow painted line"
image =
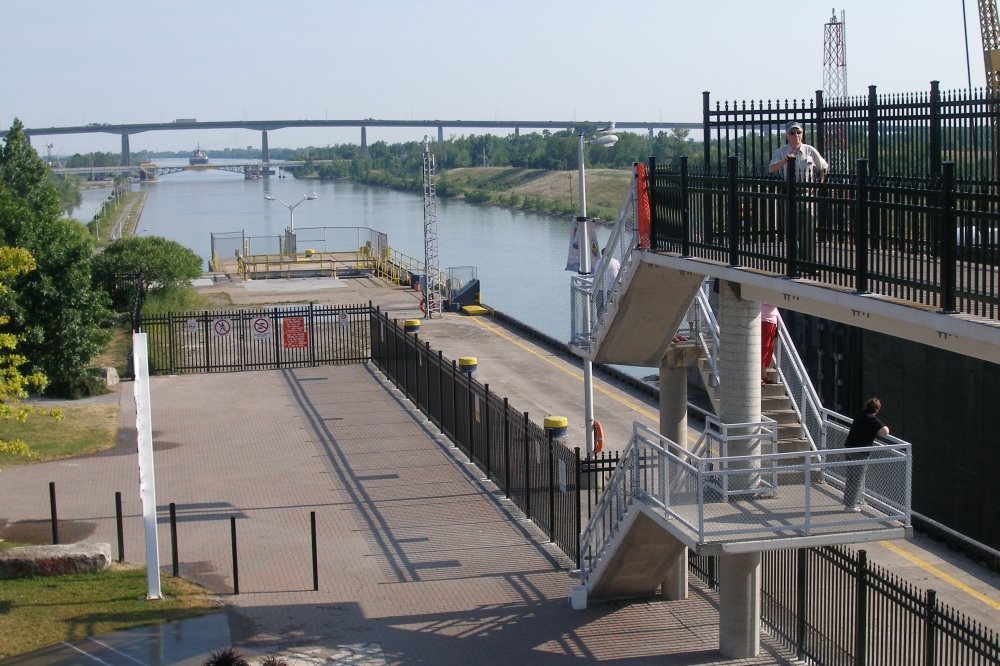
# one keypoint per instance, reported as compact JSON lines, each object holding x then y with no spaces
{"x":930,"y":568}
{"x":571,"y":372}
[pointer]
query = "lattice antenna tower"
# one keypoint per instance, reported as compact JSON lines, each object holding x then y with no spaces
{"x":432,"y":274}
{"x":989,"y":25}
{"x":834,"y":57}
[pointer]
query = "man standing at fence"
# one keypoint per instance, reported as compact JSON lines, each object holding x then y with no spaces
{"x":865,"y":428}
{"x":810,"y":167}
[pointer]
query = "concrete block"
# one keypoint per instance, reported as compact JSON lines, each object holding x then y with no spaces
{"x":54,"y":560}
{"x":110,"y":376}
{"x":578,"y":597}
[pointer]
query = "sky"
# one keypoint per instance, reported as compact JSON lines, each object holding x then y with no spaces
{"x":73,"y":63}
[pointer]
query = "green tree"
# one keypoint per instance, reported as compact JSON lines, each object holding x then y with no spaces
{"x":55,"y":310}
{"x":14,"y":384}
{"x":163,"y":264}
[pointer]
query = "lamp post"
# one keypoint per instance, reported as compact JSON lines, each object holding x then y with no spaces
{"x":291,"y":207}
{"x":604,"y":139}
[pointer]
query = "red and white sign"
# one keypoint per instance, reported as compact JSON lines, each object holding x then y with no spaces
{"x":293,"y":333}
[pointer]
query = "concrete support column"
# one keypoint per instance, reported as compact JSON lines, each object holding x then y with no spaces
{"x":126,"y":153}
{"x":673,"y":425}
{"x":651,"y":136}
{"x":517,"y":132}
{"x":265,"y":153}
{"x":739,"y":605}
{"x":739,"y":368}
{"x":364,"y":141}
{"x":739,"y":361}
{"x":440,"y":133}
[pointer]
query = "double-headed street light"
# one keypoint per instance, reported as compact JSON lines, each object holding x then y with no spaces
{"x":606,"y":139}
{"x":291,"y":207}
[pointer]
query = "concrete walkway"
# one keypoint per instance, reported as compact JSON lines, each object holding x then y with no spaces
{"x":419,"y":560}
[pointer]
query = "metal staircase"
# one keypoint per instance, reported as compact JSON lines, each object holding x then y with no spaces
{"x":664,"y":497}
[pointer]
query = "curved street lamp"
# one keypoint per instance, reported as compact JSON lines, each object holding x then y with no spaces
{"x":291,"y":207}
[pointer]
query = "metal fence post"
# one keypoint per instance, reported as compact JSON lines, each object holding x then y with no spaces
{"x":791,"y":221}
{"x":949,"y":239}
{"x":173,"y":540}
{"x":820,"y":123}
{"x":930,"y":628}
{"x":315,"y":558}
{"x":579,"y":510}
{"x":800,"y":602}
{"x":454,"y":403}
{"x":861,"y":230}
{"x":861,"y":610}
{"x":312,"y":335}
{"x":486,"y":427}
{"x":53,"y":513}
{"x":934,"y":154}
{"x":236,"y":563}
{"x":552,"y":490}
{"x":732,"y":214}
{"x":873,"y":164}
{"x":425,"y":357}
{"x":506,"y":447}
{"x":119,"y":523}
{"x":527,"y":466}
{"x":685,"y":210}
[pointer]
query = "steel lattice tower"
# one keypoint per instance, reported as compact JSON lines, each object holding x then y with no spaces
{"x":432,"y":275}
{"x":834,"y":58}
{"x":990,"y":29}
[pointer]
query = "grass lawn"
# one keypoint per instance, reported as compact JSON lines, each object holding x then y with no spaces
{"x":35,"y":612}
{"x":83,"y":429}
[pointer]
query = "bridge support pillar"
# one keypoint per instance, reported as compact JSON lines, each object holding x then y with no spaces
{"x":265,"y":155}
{"x":440,"y":134}
{"x":126,"y":153}
{"x":517,"y":132}
{"x":673,"y":425}
{"x":739,"y":367}
{"x":364,"y":141}
{"x":739,"y":605}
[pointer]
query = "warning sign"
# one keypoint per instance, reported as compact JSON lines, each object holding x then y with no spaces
{"x":222,"y":327}
{"x":192,"y":325}
{"x":343,"y":319}
{"x":293,"y":333}
{"x":260,"y":328}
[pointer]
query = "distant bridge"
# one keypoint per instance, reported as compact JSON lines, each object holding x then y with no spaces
{"x":150,"y":170}
{"x":264,"y":126}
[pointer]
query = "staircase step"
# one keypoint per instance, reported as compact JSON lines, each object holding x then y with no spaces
{"x":782,"y":416}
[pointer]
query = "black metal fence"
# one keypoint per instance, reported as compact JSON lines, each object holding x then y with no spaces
{"x":908,"y":134}
{"x":258,"y":339}
{"x":932,"y":241}
{"x":539,"y":475}
{"x":834,"y":608}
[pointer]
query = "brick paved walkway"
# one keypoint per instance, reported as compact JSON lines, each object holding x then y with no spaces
{"x":419,"y":560}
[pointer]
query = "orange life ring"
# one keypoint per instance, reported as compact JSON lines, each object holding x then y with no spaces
{"x":423,"y":306}
{"x":598,"y":437}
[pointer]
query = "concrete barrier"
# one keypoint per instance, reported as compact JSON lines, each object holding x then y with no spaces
{"x":54,"y":560}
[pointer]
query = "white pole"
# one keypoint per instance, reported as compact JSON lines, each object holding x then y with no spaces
{"x":588,"y":366}
{"x":147,"y":478}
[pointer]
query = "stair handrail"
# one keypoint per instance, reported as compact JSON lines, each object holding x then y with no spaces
{"x":590,"y":295}
{"x":798,"y":386}
{"x":811,"y":413}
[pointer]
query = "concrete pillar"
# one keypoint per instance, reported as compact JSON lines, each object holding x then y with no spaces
{"x":517,"y":132}
{"x":739,"y":361}
{"x":739,"y":367}
{"x":739,"y":605}
{"x":440,"y":133}
{"x":265,"y":153}
{"x":364,"y":141}
{"x":673,"y":426}
{"x":651,"y":136}
{"x":126,"y":153}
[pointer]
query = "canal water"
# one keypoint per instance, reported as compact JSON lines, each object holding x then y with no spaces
{"x":520,"y":256}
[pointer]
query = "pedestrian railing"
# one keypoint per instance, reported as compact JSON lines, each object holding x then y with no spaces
{"x":709,"y":499}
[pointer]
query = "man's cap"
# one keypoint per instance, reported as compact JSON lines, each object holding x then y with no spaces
{"x":793,"y":125}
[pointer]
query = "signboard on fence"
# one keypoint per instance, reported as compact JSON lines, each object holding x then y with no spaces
{"x":293,"y":333}
{"x":260,"y":328}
